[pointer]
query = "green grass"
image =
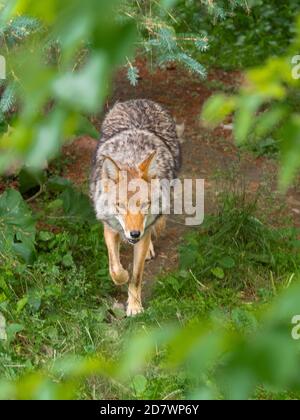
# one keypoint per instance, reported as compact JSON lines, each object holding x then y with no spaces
{"x":63,"y":304}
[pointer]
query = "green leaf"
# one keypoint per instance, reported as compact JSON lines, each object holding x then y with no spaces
{"x":24,"y":252}
{"x":227,"y":262}
{"x":268,"y":120}
{"x":4,"y":287}
{"x":3,"y":334}
{"x":29,"y":179}
{"x":12,"y":330}
{"x":86,"y":89}
{"x":45,"y":236}
{"x":77,"y":206}
{"x":139,"y":384}
{"x":168,"y":4}
{"x":58,"y":184}
{"x":245,"y":116}
{"x":21,"y":304}
{"x":218,"y":272}
{"x":289,"y":151}
{"x":34,"y":300}
{"x":217,"y":108}
{"x":68,"y":261}
{"x":47,"y":141}
{"x":86,"y":128}
{"x":17,"y":226}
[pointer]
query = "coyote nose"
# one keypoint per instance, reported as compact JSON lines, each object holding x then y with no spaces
{"x":135,"y":234}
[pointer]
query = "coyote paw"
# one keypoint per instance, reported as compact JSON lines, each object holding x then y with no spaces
{"x":151,"y":252}
{"x":120,"y":277}
{"x":134,"y":308}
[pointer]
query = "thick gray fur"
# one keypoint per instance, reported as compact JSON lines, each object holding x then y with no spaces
{"x":131,"y":131}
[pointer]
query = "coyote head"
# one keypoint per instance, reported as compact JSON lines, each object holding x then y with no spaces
{"x":130,"y":194}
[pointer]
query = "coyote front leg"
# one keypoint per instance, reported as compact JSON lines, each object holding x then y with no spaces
{"x":117,"y":272}
{"x":135,"y":286}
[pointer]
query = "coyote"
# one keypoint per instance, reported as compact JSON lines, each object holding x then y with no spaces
{"x":140,"y":141}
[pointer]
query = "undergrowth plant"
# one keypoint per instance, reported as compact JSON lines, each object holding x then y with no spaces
{"x":237,"y":246}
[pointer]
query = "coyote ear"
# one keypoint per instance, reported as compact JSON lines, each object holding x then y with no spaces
{"x":147,"y":167}
{"x":110,"y":169}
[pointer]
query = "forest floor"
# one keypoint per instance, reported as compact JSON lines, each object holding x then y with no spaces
{"x":207,"y":154}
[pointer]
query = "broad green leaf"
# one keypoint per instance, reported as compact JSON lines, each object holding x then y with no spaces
{"x":17,"y":226}
{"x":77,"y":206}
{"x":3,"y":297}
{"x":35,"y":300}
{"x":29,"y":179}
{"x":139,"y":384}
{"x":218,"y":272}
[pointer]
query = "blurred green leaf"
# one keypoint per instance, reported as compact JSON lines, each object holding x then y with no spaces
{"x":139,"y":384}
{"x":86,"y":128}
{"x":244,"y":117}
{"x":217,"y":108}
{"x":17,"y":226}
{"x":269,"y":119}
{"x":290,"y":151}
{"x":48,"y":140}
{"x":58,"y":184}
{"x":167,"y":4}
{"x":218,"y":272}
{"x":85,"y":90}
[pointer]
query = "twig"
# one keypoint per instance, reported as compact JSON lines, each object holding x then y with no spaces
{"x":35,"y":196}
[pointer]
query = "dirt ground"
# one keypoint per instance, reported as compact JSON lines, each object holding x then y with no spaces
{"x":204,"y":151}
